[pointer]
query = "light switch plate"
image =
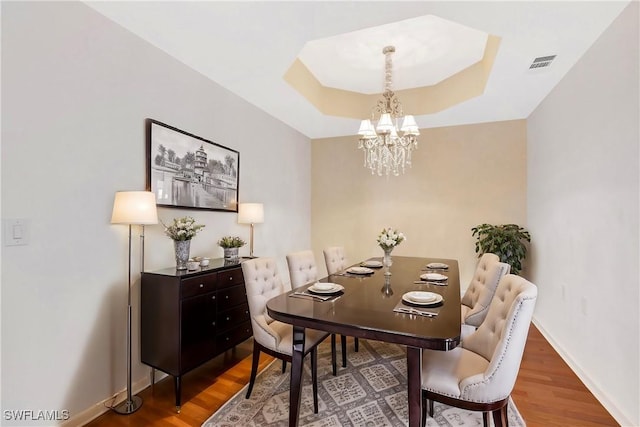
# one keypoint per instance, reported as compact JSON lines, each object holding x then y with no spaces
{"x":15,"y":232}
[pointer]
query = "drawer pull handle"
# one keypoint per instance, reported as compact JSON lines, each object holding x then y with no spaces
{"x":226,"y":297}
{"x":227,"y":317}
{"x":202,"y":285}
{"x":213,"y":323}
{"x":213,"y":297}
{"x":230,"y":278}
{"x":227,"y":338}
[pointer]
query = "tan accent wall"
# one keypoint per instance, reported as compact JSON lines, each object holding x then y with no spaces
{"x":461,"y":176}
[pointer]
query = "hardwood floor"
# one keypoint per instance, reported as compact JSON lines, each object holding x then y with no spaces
{"x":547,"y":392}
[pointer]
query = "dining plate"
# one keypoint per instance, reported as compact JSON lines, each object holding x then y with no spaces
{"x":371,"y":263}
{"x":322,"y":288}
{"x":359,"y":270}
{"x":437,"y":266}
{"x":436,"y":277}
{"x":422,"y":298}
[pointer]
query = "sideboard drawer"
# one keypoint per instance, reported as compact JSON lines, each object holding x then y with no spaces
{"x":233,"y":336}
{"x":232,"y":296}
{"x":198,"y":285}
{"x":233,"y":317}
{"x":230,"y":278}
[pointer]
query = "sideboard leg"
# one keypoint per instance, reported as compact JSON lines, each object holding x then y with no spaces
{"x":152,"y":377}
{"x":177,"y":383}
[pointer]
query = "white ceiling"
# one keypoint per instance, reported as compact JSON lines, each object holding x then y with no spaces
{"x":247,"y":47}
{"x":428,"y":49}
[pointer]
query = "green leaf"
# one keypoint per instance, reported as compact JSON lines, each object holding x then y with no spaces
{"x":506,"y":241}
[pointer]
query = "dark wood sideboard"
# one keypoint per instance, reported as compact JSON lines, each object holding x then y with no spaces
{"x":189,"y":317}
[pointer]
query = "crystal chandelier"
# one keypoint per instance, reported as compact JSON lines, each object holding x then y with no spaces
{"x":385,"y":150}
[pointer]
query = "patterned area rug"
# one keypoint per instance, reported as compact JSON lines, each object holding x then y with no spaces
{"x":370,"y":391}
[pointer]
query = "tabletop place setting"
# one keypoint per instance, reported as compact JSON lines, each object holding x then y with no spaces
{"x":320,"y":291}
{"x":437,"y":266}
{"x":357,"y":271}
{"x":371,"y":263}
{"x":418,"y":303}
{"x":433,"y":279}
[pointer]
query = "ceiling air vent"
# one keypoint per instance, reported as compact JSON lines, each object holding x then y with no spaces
{"x":542,"y":62}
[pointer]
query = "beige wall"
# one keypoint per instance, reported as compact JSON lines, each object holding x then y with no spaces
{"x":462,"y":176}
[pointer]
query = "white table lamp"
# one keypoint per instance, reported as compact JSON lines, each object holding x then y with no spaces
{"x":133,"y":208}
{"x":250,"y":213}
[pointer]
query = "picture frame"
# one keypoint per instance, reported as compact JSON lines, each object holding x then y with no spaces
{"x":187,"y":171}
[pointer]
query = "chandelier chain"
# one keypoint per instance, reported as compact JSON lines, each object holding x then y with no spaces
{"x":388,"y":70}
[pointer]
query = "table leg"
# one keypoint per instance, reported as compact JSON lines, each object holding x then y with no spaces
{"x":297,"y":357}
{"x":414,"y":386}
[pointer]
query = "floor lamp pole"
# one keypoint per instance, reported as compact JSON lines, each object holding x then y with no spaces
{"x":133,"y":403}
{"x":142,"y":250}
{"x":251,"y":243}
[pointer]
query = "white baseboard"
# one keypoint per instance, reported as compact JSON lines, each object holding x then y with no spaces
{"x":602,"y":397}
{"x":100,"y":408}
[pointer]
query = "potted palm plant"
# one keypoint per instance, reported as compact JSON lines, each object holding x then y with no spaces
{"x":506,"y":241}
{"x":231,"y":245}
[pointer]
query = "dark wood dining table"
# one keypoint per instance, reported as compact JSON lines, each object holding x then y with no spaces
{"x":365,"y":310}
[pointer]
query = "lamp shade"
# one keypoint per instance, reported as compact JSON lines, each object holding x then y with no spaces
{"x":409,"y":126}
{"x":134,"y":207}
{"x":250,"y":213}
{"x":366,"y":129}
{"x":385,"y":125}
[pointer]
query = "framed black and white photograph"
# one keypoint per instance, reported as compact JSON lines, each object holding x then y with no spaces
{"x":187,"y":171}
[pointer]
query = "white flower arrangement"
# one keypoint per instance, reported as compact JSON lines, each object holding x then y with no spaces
{"x":184,"y":228}
{"x":390,"y":238}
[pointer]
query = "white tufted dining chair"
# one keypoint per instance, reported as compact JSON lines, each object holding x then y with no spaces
{"x":479,"y":375}
{"x":302,"y":268}
{"x":270,"y":336}
{"x":302,"y":271}
{"x":335,"y":260}
{"x":478,"y":296}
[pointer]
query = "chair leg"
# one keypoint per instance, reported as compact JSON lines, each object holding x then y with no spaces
{"x":423,"y":415}
{"x":356,"y":344}
{"x":334,"y":364}
{"x":486,"y":419}
{"x":284,"y":366}
{"x":254,"y":369}
{"x":500,"y":417}
{"x":343,"y":342}
{"x":430,"y":402}
{"x":314,"y":378}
